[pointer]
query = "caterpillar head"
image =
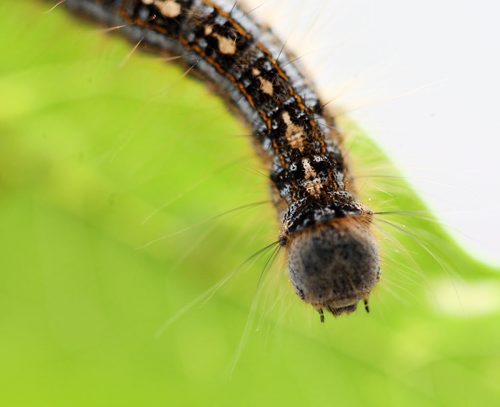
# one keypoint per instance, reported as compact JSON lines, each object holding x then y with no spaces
{"x":335,"y":265}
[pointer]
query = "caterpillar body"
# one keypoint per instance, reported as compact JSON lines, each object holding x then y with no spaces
{"x":332,"y":255}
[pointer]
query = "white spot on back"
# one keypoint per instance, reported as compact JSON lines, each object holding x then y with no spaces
{"x":208,"y":29}
{"x":294,"y":134}
{"x":168,"y":8}
{"x":226,"y":45}
{"x":314,"y":186}
{"x":266,"y":86}
{"x":308,"y":169}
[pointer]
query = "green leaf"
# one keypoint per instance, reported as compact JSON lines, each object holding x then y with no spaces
{"x":112,"y":172}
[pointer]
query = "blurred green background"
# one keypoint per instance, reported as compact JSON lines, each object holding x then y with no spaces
{"x":112,"y":168}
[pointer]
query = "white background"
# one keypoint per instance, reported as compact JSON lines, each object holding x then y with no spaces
{"x":423,"y":79}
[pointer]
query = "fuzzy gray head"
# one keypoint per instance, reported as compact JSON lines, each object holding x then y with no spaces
{"x":334,"y":266}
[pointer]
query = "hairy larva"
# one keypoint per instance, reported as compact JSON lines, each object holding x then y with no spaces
{"x":82,"y":299}
{"x":333,"y":258}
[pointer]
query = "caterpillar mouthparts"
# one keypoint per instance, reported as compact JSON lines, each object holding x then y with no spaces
{"x":335,"y":265}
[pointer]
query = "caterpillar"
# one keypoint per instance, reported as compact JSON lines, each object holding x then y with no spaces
{"x":94,"y":143}
{"x":333,"y":259}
